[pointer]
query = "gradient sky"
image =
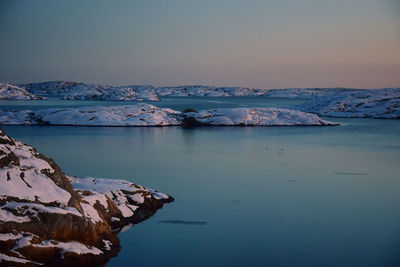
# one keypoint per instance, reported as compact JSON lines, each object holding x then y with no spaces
{"x":263,"y":44}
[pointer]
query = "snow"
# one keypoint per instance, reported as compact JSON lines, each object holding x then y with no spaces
{"x":119,"y":191}
{"x":210,"y":91}
{"x":72,"y":247}
{"x":115,"y":219}
{"x":28,"y":157}
{"x":9,"y":236}
{"x":256,"y":117}
{"x":148,"y":115}
{"x":92,"y":91}
{"x":374,"y":103}
{"x":132,"y":115}
{"x":91,"y":213}
{"x":34,"y":208}
{"x":305,"y":92}
{"x":107,"y":244}
{"x":27,"y":181}
{"x":6,"y":216}
{"x":4,"y":257}
{"x":10,"y":91}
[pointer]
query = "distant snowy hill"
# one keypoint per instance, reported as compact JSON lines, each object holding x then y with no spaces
{"x":10,"y":91}
{"x":211,"y":91}
{"x":92,"y":91}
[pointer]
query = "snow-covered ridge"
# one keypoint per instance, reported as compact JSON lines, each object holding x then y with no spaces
{"x":10,"y":91}
{"x":374,"y":103}
{"x":92,"y":91}
{"x":148,"y":115}
{"x":214,"y":91}
{"x":49,"y":218}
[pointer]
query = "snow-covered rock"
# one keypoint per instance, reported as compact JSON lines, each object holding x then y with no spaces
{"x":211,"y":91}
{"x":148,"y":115}
{"x":133,"y":115}
{"x":59,"y":88}
{"x":254,"y":117}
{"x":373,"y":103}
{"x":92,"y":91}
{"x":49,"y":218}
{"x":10,"y":91}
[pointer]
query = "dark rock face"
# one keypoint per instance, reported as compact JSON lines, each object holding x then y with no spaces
{"x":49,"y":218}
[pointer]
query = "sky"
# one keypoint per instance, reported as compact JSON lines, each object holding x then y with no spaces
{"x":251,"y":43}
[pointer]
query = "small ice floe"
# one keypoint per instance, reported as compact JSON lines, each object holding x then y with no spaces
{"x":183,"y":222}
{"x":351,"y":173}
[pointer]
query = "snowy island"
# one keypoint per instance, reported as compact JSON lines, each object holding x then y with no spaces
{"x":92,"y":91}
{"x":375,"y":103}
{"x":49,"y":218}
{"x":148,"y":115}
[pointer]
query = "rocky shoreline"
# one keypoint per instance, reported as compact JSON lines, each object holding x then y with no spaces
{"x":49,"y":218}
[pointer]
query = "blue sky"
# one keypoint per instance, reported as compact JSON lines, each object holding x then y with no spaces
{"x":264,"y":44}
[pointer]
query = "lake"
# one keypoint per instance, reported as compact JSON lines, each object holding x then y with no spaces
{"x":244,"y":196}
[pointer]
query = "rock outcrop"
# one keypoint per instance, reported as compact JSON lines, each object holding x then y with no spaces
{"x":49,"y":218}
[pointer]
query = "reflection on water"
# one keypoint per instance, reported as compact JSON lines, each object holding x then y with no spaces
{"x":271,"y":196}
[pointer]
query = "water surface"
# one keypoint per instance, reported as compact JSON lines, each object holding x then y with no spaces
{"x":265,"y":196}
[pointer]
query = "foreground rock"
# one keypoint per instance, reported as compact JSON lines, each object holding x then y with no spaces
{"x":374,"y":103}
{"x":10,"y":91}
{"x":49,"y":218}
{"x":92,"y":91}
{"x":148,"y":115}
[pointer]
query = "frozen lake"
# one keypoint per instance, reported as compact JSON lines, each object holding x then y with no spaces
{"x":245,"y":196}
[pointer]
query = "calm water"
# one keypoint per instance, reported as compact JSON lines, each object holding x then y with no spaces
{"x":270,"y":196}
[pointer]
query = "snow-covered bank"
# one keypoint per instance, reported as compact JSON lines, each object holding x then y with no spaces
{"x":148,"y":115}
{"x":374,"y":103}
{"x":49,"y":218}
{"x":92,"y":91}
{"x":10,"y":91}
